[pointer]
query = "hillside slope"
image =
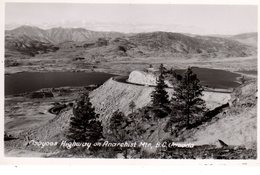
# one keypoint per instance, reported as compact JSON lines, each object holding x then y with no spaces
{"x":235,"y":126}
{"x":176,"y":44}
{"x":109,"y":97}
{"x":113,"y":95}
{"x":246,"y":38}
{"x":114,"y":44}
{"x":145,"y":78}
{"x":27,"y":46}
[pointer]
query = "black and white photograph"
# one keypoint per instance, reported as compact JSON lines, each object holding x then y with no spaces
{"x":130,"y":81}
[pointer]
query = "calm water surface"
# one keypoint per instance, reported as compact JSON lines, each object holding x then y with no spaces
{"x":32,"y":81}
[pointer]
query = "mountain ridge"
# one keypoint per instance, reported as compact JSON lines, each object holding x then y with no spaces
{"x":58,"y":34}
{"x":114,"y":44}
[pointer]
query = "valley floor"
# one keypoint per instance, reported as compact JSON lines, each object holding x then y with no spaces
{"x":123,"y":66}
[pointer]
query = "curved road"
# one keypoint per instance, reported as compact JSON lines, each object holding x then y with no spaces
{"x":123,"y":79}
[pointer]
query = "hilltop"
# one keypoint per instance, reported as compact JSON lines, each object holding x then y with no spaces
{"x":246,"y":38}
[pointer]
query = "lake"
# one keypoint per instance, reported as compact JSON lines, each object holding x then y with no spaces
{"x":250,"y":72}
{"x":214,"y":78}
{"x":32,"y":81}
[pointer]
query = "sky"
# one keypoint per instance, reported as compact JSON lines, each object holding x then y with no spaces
{"x":195,"y":19}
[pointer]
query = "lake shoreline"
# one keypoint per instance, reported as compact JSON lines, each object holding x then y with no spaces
{"x":93,"y":75}
{"x":27,"y":69}
{"x":34,"y":81}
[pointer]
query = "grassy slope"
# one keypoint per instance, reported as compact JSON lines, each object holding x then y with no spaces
{"x":236,"y":126}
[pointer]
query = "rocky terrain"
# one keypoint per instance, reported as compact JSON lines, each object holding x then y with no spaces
{"x":115,"y":95}
{"x":145,"y":78}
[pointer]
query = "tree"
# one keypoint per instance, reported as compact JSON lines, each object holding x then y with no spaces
{"x":132,"y":106}
{"x":118,"y":129}
{"x":162,"y":69}
{"x":159,"y":95}
{"x":84,"y":125}
{"x":186,"y":100}
{"x":242,"y":79}
{"x":117,"y":125}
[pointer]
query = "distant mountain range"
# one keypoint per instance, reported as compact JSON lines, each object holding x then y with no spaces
{"x":33,"y":40}
{"x":59,"y":35}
